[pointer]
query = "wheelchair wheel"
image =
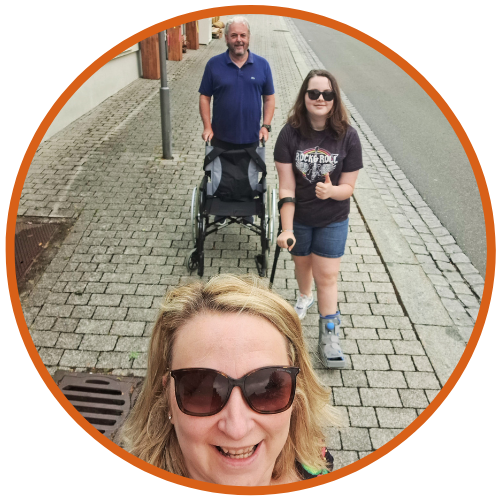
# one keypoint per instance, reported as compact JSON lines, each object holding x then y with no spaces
{"x":192,"y":260}
{"x":200,"y":241}
{"x":195,"y":213}
{"x":198,"y":199}
{"x":195,"y":260}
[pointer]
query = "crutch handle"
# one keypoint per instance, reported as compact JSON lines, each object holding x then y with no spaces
{"x":289,"y":242}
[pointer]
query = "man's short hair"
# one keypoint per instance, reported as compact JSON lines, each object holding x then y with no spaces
{"x":237,"y":19}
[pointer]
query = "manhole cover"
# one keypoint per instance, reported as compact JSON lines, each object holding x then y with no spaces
{"x":30,"y":241}
{"x":37,"y":241}
{"x":103,"y":400}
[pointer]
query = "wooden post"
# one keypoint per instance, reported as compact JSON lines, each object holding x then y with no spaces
{"x":192,"y":35}
{"x":150,"y":55}
{"x":174,"y":43}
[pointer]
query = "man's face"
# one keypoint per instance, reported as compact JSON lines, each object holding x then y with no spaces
{"x":238,"y":39}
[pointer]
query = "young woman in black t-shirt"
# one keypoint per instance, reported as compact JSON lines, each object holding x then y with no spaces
{"x":318,"y":156}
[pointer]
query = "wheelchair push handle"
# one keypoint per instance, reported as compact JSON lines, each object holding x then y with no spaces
{"x":262,"y":141}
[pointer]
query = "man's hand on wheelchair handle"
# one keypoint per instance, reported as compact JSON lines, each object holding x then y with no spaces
{"x":207,"y":134}
{"x":263,"y":134}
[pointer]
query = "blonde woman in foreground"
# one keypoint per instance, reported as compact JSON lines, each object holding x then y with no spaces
{"x":230,"y":396}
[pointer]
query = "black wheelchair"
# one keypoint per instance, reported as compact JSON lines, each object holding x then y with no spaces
{"x":233,"y":187}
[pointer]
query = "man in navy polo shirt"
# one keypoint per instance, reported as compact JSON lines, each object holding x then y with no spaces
{"x":240,"y":81}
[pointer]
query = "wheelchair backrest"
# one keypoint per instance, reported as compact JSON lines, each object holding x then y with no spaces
{"x":234,"y":174}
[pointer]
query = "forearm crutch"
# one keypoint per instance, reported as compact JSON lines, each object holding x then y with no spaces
{"x":289,"y":241}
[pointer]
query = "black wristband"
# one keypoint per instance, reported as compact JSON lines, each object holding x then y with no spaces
{"x":288,"y":199}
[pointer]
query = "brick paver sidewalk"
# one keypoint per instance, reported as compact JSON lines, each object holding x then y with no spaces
{"x":95,"y":304}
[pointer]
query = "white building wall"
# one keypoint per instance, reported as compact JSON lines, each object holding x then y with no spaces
{"x":113,"y":76}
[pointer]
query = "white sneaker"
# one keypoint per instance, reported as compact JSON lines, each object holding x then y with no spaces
{"x":303,"y":304}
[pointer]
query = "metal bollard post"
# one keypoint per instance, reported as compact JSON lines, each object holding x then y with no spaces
{"x":166,"y":128}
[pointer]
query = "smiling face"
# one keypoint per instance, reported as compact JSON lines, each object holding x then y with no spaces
{"x":238,"y":39}
{"x":236,"y":446}
{"x":319,"y":109}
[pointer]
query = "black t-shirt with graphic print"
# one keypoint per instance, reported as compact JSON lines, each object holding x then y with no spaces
{"x":311,"y":159}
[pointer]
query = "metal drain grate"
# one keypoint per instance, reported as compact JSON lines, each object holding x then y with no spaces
{"x":30,"y":241}
{"x":104,"y":400}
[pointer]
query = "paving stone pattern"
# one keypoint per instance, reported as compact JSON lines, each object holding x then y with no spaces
{"x":95,"y":305}
{"x":456,"y":280}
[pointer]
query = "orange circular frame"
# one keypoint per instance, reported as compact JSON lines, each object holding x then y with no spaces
{"x":407,"y":68}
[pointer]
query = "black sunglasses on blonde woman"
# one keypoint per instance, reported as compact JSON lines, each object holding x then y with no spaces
{"x":202,"y":392}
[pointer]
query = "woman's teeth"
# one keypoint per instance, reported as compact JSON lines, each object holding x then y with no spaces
{"x":238,"y":453}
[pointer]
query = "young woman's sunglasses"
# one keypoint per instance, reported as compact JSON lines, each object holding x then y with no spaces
{"x":202,"y":392}
{"x":314,"y":94}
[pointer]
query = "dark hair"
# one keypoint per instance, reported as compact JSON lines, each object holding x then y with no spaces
{"x":338,"y":119}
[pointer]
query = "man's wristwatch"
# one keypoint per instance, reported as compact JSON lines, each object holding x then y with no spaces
{"x":266,"y":126}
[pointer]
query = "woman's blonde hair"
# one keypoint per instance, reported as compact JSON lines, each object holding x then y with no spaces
{"x":148,"y":433}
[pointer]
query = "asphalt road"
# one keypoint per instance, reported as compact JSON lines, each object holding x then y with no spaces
{"x":412,"y":129}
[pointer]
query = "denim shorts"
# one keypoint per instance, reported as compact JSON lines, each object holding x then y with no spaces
{"x":326,"y":241}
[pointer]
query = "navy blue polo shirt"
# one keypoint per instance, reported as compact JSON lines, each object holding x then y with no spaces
{"x":237,"y":94}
